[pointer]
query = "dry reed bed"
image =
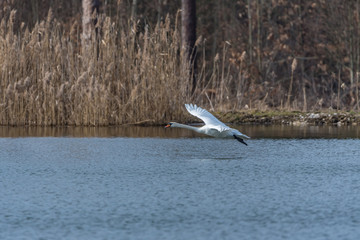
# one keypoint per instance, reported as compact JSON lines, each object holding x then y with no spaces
{"x":121,"y":76}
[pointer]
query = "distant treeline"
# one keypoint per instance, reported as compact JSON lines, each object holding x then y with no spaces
{"x":294,"y":55}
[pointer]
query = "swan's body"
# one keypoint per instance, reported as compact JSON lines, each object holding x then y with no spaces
{"x":213,"y":127}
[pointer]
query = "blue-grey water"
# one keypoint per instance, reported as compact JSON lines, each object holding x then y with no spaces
{"x":179,"y":187}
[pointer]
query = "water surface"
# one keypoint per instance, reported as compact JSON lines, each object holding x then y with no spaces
{"x":254,"y":131}
{"x":186,"y":187}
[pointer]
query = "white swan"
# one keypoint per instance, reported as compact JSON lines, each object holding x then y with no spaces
{"x":213,"y":127}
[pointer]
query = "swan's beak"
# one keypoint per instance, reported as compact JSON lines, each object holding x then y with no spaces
{"x":167,"y":126}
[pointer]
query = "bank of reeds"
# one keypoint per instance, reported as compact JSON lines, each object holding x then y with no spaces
{"x":132,"y":73}
{"x":125,"y":76}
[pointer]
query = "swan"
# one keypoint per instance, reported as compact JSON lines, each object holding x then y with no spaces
{"x":213,"y":126}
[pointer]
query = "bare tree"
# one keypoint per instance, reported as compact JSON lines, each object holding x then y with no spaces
{"x":188,"y":36}
{"x":86,"y":21}
{"x":133,"y":9}
{"x":88,"y":6}
{"x":89,"y":21}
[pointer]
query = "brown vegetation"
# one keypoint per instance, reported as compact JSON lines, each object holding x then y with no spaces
{"x":264,"y":55}
{"x":128,"y":76}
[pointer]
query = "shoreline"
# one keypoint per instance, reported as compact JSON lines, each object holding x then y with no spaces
{"x":294,"y":118}
{"x":247,"y":117}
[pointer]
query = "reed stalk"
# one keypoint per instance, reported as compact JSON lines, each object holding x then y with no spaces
{"x":293,"y":67}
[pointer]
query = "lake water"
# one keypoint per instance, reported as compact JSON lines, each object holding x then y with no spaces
{"x":148,"y":183}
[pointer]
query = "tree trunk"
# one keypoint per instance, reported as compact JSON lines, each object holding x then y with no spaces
{"x":250,"y":31}
{"x":133,"y":10}
{"x":88,"y":23}
{"x":188,"y":36}
{"x":88,"y":7}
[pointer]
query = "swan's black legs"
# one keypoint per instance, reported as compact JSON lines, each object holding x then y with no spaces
{"x":240,"y":140}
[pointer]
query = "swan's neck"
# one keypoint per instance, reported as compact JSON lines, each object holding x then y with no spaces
{"x":179,"y":125}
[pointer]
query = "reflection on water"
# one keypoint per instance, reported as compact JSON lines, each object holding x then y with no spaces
{"x":263,"y":131}
{"x":254,"y":131}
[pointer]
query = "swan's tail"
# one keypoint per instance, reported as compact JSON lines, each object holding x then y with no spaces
{"x":240,"y":135}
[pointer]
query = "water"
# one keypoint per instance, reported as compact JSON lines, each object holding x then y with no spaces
{"x":186,"y":187}
{"x":255,"y":131}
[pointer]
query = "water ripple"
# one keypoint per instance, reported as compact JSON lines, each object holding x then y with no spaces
{"x":196,"y":188}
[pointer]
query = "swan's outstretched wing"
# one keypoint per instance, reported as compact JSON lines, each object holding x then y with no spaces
{"x":208,"y":118}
